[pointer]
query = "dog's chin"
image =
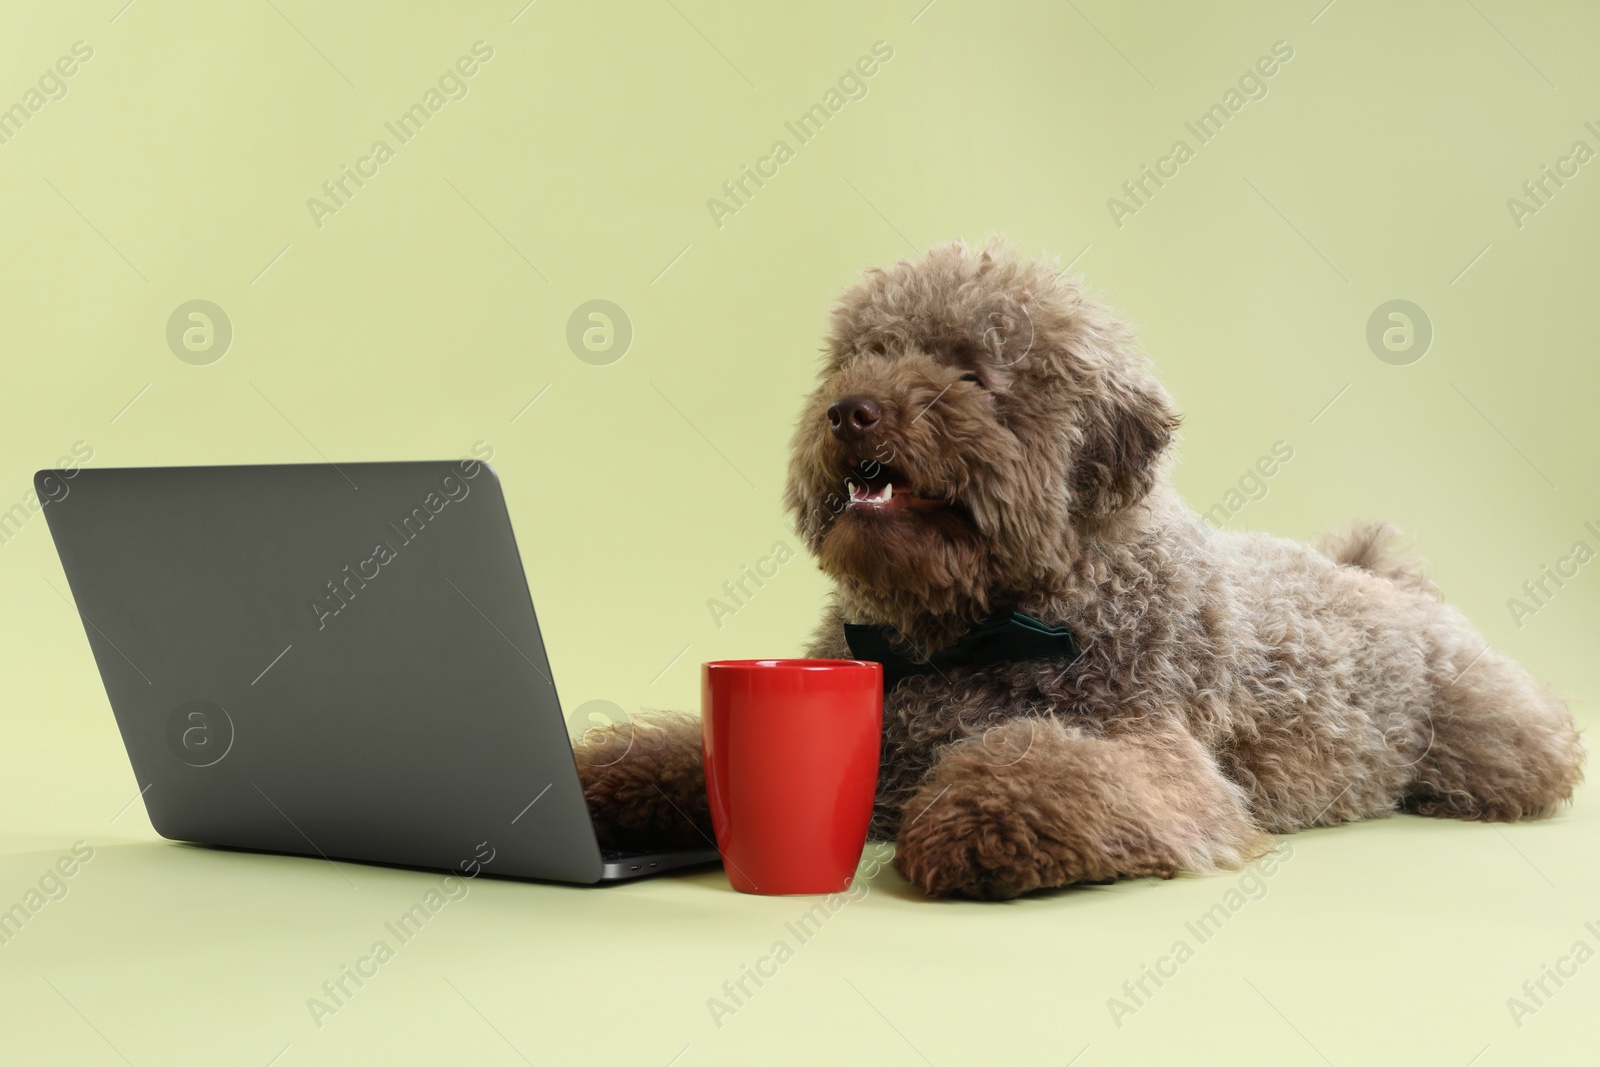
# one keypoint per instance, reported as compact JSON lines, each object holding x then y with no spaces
{"x":915,"y":552}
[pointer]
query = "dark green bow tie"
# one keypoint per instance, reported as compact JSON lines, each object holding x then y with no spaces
{"x":1007,"y":636}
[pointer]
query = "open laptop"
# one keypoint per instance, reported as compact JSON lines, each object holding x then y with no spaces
{"x":336,"y":661}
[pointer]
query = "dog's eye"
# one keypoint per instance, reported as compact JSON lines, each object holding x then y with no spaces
{"x":973,"y":378}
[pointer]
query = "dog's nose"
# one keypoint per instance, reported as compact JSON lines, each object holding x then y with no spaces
{"x":853,"y":416}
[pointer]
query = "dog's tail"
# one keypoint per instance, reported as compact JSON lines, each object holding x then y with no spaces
{"x":1377,"y":547}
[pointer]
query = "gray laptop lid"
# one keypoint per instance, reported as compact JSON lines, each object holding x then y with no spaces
{"x":335,"y":661}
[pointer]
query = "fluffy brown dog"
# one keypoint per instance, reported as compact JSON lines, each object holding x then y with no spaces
{"x":1230,"y":686}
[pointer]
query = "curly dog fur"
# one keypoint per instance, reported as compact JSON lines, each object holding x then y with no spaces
{"x":1232,"y":685}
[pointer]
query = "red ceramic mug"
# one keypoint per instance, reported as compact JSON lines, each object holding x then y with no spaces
{"x":791,"y":758}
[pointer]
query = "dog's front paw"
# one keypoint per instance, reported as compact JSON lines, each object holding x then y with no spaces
{"x":980,"y":827}
{"x":967,"y":842}
{"x":644,"y":784}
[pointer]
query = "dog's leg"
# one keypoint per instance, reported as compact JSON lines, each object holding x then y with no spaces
{"x":643,"y":779}
{"x":644,"y":783}
{"x":1037,"y":803}
{"x":1499,"y":746}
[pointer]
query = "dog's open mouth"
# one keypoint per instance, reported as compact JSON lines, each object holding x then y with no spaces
{"x":877,"y":487}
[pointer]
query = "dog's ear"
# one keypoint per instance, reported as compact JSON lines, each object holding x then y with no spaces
{"x":1124,"y":428}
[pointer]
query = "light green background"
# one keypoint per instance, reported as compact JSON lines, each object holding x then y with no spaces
{"x":432,"y":308}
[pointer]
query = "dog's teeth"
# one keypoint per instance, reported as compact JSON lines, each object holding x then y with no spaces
{"x":855,"y":490}
{"x":888,"y":492}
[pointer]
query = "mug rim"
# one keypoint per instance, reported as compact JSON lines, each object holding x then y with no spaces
{"x":790,"y":664}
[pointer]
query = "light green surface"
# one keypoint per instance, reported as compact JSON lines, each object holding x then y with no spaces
{"x":428,"y":312}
